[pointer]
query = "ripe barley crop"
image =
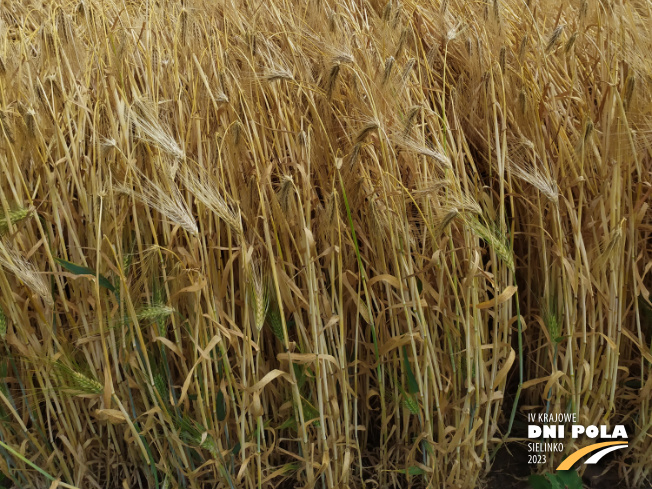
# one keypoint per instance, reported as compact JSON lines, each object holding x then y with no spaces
{"x":320,"y":244}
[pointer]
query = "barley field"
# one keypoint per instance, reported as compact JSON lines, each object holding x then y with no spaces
{"x":278,"y":244}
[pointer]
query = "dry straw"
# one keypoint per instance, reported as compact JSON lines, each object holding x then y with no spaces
{"x":323,"y":244}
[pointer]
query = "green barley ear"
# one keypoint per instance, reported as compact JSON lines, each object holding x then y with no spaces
{"x":14,"y":217}
{"x":196,"y":435}
{"x":4,"y":367}
{"x":76,"y":381}
{"x":494,"y":239}
{"x":258,"y":295}
{"x":290,"y":423}
{"x":127,"y":260}
{"x":300,"y":374}
{"x":310,"y":413}
{"x":161,"y":385}
{"x":275,"y":321}
{"x":409,"y":401}
{"x":157,"y":293}
{"x":128,"y":257}
{"x":154,"y":313}
{"x":3,"y":324}
{"x":552,"y":322}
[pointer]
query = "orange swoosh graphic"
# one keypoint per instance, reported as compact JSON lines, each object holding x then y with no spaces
{"x":568,"y":463}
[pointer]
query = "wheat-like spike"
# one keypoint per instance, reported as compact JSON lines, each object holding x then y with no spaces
{"x":542,"y":181}
{"x":554,"y":37}
{"x":342,"y":57}
{"x":202,"y":187}
{"x":188,"y":429}
{"x":571,"y":42}
{"x":261,"y":305}
{"x":26,"y":272}
{"x":86,"y":384}
{"x":586,"y":136}
{"x":611,"y":246}
{"x":258,"y":294}
{"x":29,"y":116}
{"x":63,"y":28}
{"x":387,"y":11}
{"x":332,"y":22}
{"x":522,"y":101}
{"x":389,"y":64}
{"x":378,"y":221}
{"x":411,"y":115}
{"x":584,"y":8}
{"x":523,"y":48}
{"x":278,"y":74}
{"x":429,"y":187}
{"x":355,"y":155}
{"x":465,"y":203}
{"x":14,"y":216}
{"x":588,"y":130}
{"x":411,"y":144}
{"x":151,"y":130}
{"x":332,"y":79}
{"x":183,"y":26}
{"x":169,"y":203}
{"x":367,"y":129}
{"x":446,"y":218}
{"x":4,"y":125}
{"x":401,"y":42}
{"x":409,"y":66}
{"x":630,"y":85}
{"x":285,"y":192}
{"x":545,"y":184}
